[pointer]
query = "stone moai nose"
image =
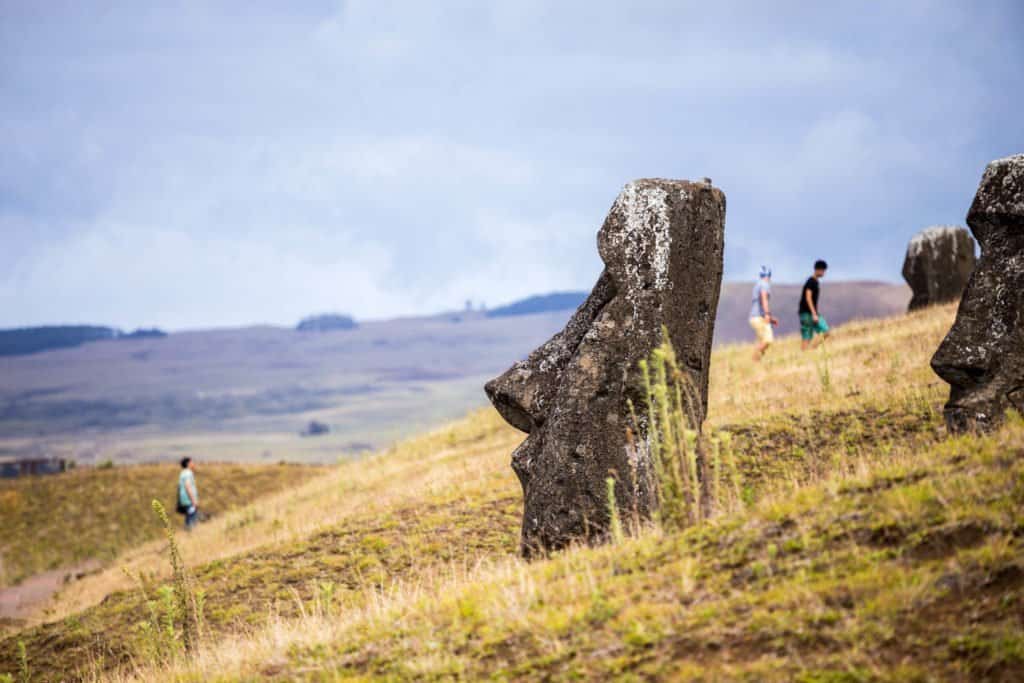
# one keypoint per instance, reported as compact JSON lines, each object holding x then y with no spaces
{"x":523,"y":395}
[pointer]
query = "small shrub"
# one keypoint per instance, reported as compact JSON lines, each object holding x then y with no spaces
{"x":639,"y":636}
{"x":187,"y":602}
{"x":599,"y":610}
{"x":158,"y":638}
{"x":325,"y":592}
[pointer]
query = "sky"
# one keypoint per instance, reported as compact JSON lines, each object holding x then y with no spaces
{"x":192,"y":165}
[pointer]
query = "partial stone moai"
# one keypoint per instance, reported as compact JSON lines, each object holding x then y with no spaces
{"x":662,"y":248}
{"x":938,"y":263}
{"x":982,"y":357}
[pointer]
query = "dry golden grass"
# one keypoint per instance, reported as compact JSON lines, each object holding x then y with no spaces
{"x":870,"y":362}
{"x":645,"y":606}
{"x":841,"y":580}
{"x":452,"y":458}
{"x":91,"y":513}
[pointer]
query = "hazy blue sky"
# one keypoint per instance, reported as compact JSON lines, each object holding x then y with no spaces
{"x":204,"y":164}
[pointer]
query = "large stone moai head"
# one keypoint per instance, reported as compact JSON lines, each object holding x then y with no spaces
{"x":938,"y":263}
{"x":982,"y":357}
{"x":662,"y":248}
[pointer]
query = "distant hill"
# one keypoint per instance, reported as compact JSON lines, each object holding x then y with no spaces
{"x":34,"y":339}
{"x":326,"y":323}
{"x":545,"y":303}
{"x":24,"y":340}
{"x":841,"y":302}
{"x":230,"y":393}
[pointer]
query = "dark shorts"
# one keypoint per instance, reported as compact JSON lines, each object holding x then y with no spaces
{"x":809,"y":328}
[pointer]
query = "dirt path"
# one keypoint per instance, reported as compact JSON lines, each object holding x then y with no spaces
{"x":17,"y":603}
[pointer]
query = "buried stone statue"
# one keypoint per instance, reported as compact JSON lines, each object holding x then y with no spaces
{"x":982,"y":357}
{"x":938,"y":263}
{"x":662,"y":248}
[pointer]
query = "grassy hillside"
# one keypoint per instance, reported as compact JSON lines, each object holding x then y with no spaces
{"x":97,"y":513}
{"x":862,"y":546}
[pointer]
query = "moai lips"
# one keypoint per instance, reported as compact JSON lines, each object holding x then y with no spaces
{"x":662,"y":246}
{"x":982,"y":357}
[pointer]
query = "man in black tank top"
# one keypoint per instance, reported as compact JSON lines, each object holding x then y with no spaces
{"x":812,"y":323}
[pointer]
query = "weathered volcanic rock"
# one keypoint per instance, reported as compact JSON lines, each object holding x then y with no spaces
{"x":938,"y":264}
{"x":662,"y":247}
{"x":982,"y":357}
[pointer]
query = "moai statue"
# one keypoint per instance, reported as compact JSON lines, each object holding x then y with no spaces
{"x":662,"y":246}
{"x":982,"y":357}
{"x":938,"y":263}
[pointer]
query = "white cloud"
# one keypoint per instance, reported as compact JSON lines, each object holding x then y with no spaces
{"x":130,"y":275}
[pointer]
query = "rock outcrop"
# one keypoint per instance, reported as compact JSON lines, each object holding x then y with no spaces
{"x":662,"y":247}
{"x":938,"y":263}
{"x":982,"y":357}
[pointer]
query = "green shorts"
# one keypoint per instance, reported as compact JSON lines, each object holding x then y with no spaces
{"x":809,"y":328}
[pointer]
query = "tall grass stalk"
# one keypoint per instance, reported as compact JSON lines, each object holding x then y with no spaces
{"x":677,"y":451}
{"x":716,"y":469}
{"x":615,"y":521}
{"x":724,"y":440}
{"x":24,"y":673}
{"x":825,"y":369}
{"x":188,"y":605}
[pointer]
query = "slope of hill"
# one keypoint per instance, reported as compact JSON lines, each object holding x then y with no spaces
{"x":91,"y":513}
{"x":859,"y":548}
{"x":247,"y":394}
{"x":27,"y":340}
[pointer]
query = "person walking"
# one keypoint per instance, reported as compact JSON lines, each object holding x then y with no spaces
{"x":812,"y":322}
{"x":761,"y":320}
{"x":188,"y":494}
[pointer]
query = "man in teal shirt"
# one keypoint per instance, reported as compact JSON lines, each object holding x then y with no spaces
{"x":188,"y":495}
